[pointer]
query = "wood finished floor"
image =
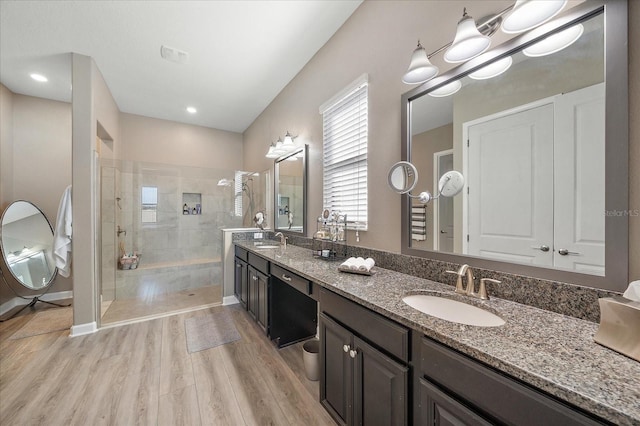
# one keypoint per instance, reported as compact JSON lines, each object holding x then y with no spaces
{"x":142,"y":374}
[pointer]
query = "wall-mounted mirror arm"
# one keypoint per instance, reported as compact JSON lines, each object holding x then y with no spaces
{"x":403,"y":177}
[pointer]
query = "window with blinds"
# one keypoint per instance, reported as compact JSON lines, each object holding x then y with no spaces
{"x":237,"y":188}
{"x":345,"y":135}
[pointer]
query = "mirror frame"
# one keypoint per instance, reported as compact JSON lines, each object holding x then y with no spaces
{"x":616,"y":151}
{"x":4,"y":255}
{"x":276,"y":178}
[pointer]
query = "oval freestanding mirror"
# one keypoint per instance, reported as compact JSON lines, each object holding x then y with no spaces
{"x":26,"y":240}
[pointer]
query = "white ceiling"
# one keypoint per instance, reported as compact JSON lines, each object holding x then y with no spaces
{"x":242,"y":53}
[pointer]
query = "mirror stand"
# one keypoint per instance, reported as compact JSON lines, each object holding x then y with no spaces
{"x":34,"y":299}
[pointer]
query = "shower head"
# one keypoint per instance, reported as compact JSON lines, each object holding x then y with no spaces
{"x":225,"y":182}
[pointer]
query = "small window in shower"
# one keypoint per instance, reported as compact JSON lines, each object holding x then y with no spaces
{"x":149,"y":204}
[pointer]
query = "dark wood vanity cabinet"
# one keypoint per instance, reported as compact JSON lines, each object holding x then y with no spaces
{"x":240,"y":287}
{"x":360,"y":382}
{"x":251,"y":285}
{"x":452,"y":389}
{"x":258,"y":290}
{"x":258,"y":303}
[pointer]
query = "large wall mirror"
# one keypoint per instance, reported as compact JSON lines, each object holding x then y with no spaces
{"x":290,"y":179}
{"x":543,"y":146}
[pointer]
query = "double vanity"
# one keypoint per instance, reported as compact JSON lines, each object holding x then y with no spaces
{"x":386,"y":362}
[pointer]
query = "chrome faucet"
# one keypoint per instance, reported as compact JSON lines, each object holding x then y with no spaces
{"x":470,"y":289}
{"x":283,"y":239}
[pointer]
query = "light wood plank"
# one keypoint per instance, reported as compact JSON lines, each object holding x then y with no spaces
{"x":179,"y":407}
{"x":176,"y":370}
{"x":216,"y":399}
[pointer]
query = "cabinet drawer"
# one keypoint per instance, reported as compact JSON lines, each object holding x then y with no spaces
{"x":259,"y":263}
{"x":502,"y":398}
{"x":384,"y":333}
{"x":301,"y":284}
{"x":241,"y":253}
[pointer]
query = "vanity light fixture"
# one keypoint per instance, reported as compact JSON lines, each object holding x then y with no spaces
{"x":555,"y":42}
{"x":191,"y":110}
{"x":468,"y":42}
{"x":528,"y":14}
{"x":446,"y":90}
{"x":494,"y":69}
{"x":282,"y":147}
{"x":471,"y":40}
{"x":272,"y":153}
{"x":39,"y":77}
{"x":420,"y":68}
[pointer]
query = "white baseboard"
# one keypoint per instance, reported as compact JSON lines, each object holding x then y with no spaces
{"x":229,"y":300}
{"x":82,"y":329}
{"x":49,"y":297}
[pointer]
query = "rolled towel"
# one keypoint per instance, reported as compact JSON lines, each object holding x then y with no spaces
{"x":370,"y":262}
{"x":349,"y":264}
{"x":363,"y":266}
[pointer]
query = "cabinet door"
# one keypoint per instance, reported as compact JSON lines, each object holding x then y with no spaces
{"x":439,"y":409}
{"x":240,"y":282}
{"x":263,"y":301}
{"x":252,"y":301}
{"x":336,"y":370}
{"x":380,"y":387}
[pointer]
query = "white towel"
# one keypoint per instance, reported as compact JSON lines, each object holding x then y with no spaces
{"x":63,"y":235}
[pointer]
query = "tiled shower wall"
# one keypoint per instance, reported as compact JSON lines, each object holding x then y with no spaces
{"x":179,"y":251}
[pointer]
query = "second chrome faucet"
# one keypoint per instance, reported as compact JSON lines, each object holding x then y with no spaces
{"x":470,"y":289}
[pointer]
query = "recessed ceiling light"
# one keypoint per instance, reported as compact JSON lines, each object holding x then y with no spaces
{"x":191,"y":110}
{"x":39,"y":77}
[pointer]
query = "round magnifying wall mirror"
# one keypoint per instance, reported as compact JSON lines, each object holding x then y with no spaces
{"x":451,"y":183}
{"x":26,"y":239}
{"x":403,"y":177}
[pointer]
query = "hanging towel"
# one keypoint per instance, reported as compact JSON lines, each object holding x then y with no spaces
{"x":62,"y":235}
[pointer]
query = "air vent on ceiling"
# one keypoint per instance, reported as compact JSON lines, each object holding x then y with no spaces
{"x":174,"y":55}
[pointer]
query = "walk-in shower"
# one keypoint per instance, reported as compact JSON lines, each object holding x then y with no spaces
{"x":161,"y":235}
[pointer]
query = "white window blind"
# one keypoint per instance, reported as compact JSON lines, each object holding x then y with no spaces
{"x":237,"y":188}
{"x":345,"y":135}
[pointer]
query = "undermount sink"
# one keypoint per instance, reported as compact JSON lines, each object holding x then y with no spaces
{"x":453,"y":310}
{"x":266,"y":246}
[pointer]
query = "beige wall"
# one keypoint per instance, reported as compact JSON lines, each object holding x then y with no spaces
{"x":36,"y":161}
{"x":6,"y":146}
{"x":378,"y":39}
{"x":167,"y":142}
{"x":95,"y":113}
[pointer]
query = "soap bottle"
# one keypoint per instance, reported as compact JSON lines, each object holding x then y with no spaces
{"x":185,"y":209}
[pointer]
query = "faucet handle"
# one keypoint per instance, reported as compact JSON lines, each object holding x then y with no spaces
{"x":459,"y":287}
{"x":482,"y":293}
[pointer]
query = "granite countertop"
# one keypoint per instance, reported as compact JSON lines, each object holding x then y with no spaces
{"x":550,"y":351}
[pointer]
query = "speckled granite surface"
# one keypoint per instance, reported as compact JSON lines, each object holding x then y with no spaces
{"x":563,"y":298}
{"x":551,"y":351}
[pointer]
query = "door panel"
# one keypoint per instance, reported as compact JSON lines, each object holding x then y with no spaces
{"x":510,"y":202}
{"x":579,"y":180}
{"x":380,"y":388}
{"x":444,"y":205}
{"x":336,"y":390}
{"x":439,"y":409}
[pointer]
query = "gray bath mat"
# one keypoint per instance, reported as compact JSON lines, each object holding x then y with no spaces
{"x":210,"y":331}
